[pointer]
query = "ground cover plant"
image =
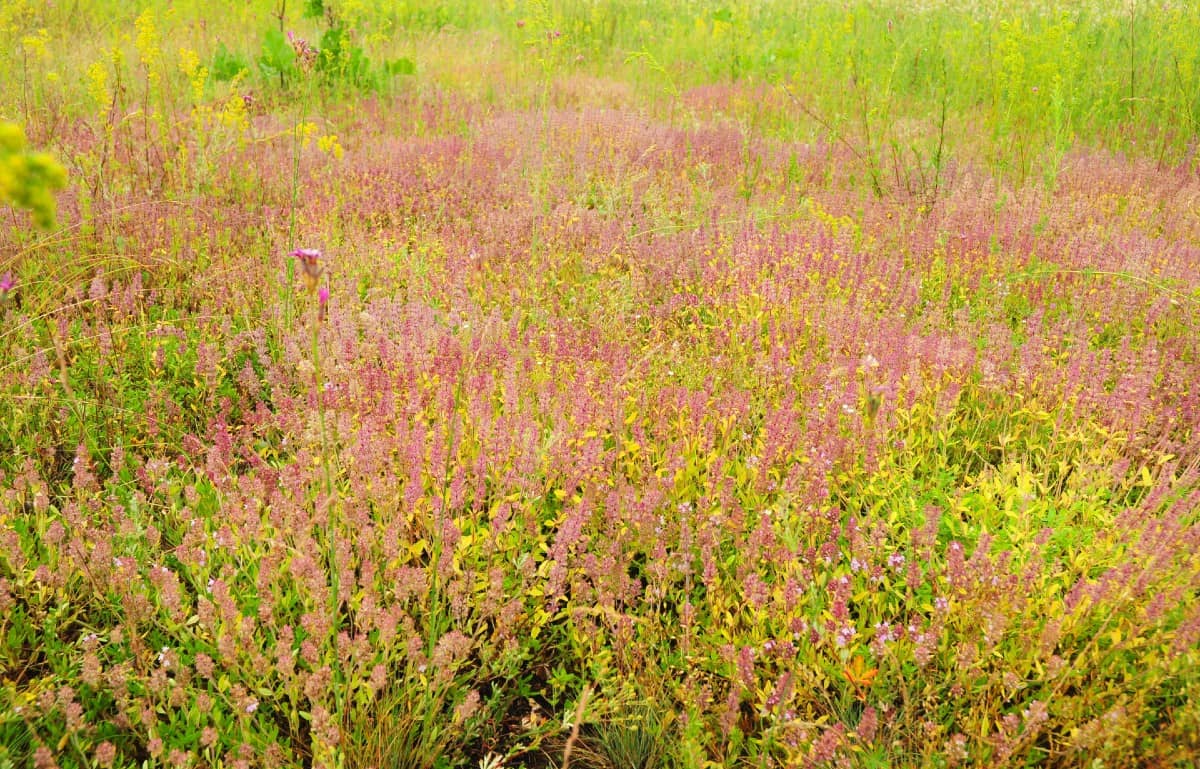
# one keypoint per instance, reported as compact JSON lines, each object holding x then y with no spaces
{"x":599,"y":384}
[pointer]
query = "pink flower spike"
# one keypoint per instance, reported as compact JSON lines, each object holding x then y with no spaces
{"x":7,"y":283}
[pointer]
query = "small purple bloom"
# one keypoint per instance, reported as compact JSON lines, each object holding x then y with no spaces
{"x":6,"y":283}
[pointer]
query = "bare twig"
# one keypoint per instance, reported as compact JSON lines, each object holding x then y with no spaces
{"x":816,"y":116}
{"x":583,"y":699}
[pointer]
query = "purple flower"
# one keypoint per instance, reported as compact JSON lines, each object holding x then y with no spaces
{"x":6,"y":283}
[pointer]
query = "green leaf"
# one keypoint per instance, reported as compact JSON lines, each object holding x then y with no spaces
{"x":401,"y":66}
{"x":340,"y":59}
{"x":277,"y":57}
{"x":227,"y":65}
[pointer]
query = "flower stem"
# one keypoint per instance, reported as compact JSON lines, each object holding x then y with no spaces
{"x":331,"y":528}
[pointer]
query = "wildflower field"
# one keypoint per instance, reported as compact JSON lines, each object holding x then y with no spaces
{"x":595,"y":383}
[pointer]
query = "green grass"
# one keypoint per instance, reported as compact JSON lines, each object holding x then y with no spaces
{"x":1016,"y":83}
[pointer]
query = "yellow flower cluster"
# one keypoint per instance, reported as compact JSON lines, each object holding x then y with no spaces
{"x":35,"y":45}
{"x":147,"y":42}
{"x":97,"y":84}
{"x":305,"y":132}
{"x":330,"y":145}
{"x":234,"y":115}
{"x":197,"y":74}
{"x":28,"y":179}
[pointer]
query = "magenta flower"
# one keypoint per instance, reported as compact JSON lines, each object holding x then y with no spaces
{"x":305,"y":53}
{"x":309,"y":257}
{"x":310,"y":263}
{"x":6,"y":283}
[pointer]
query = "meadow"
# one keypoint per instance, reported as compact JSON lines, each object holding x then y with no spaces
{"x":599,"y":384}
